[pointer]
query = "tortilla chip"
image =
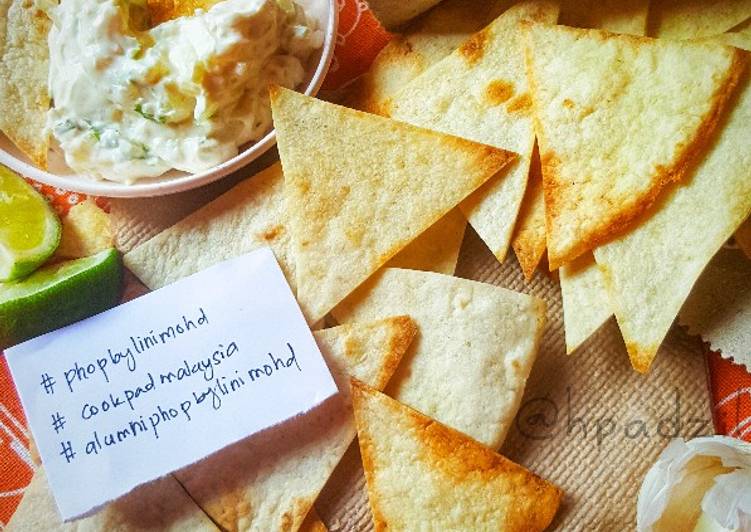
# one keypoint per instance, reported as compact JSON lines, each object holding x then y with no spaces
{"x":529,"y":232}
{"x":419,"y":471}
{"x":688,"y":19}
{"x":313,"y":522}
{"x":428,"y":39}
{"x":739,"y":40}
{"x":24,"y":68}
{"x":586,"y":304}
{"x":437,"y":249}
{"x":474,"y":353}
{"x":247,"y":217}
{"x":394,"y":13}
{"x":270,"y":480}
{"x":425,"y":42}
{"x":161,"y":505}
{"x":356,"y":200}
{"x":650,"y":271}
{"x":479,"y":92}
{"x":619,"y":16}
{"x":743,"y":237}
{"x":597,"y":99}
{"x":86,"y":231}
{"x":164,"y":10}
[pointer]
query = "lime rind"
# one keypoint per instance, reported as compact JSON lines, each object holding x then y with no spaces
{"x":57,"y":295}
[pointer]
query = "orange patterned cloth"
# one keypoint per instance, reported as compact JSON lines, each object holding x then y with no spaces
{"x":359,"y":39}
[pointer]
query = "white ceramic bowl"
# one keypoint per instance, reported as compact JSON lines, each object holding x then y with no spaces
{"x":60,"y":175}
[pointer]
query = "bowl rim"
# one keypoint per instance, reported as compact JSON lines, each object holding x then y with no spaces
{"x":182,"y":183}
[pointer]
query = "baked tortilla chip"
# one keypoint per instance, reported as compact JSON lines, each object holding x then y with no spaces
{"x":528,"y":241}
{"x":419,"y":471}
{"x":619,"y":16}
{"x":247,"y":217}
{"x":688,"y":19}
{"x":737,"y":39}
{"x":24,"y":68}
{"x":586,"y":304}
{"x":598,"y":98}
{"x":479,"y":92}
{"x":650,"y":271}
{"x":476,"y":346}
{"x":743,"y":237}
{"x":426,"y":41}
{"x":356,"y":200}
{"x":270,"y":480}
{"x":161,"y":505}
{"x":437,"y":249}
{"x":86,"y":231}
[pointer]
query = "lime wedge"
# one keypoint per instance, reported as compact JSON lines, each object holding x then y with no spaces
{"x":29,"y":228}
{"x":57,"y":295}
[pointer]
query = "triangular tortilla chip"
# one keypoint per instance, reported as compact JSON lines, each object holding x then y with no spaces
{"x":598,"y":97}
{"x":161,"y":505}
{"x":529,"y":232}
{"x":270,"y":480}
{"x":249,"y":216}
{"x":420,"y":472}
{"x":613,"y":15}
{"x":743,"y":237}
{"x":426,"y":41}
{"x":437,"y":249}
{"x":356,"y":200}
{"x":650,"y":271}
{"x":479,"y":92}
{"x":24,"y":68}
{"x":475,"y":349}
{"x":586,"y":304}
{"x":737,"y":39}
{"x":619,"y":16}
{"x":688,"y":19}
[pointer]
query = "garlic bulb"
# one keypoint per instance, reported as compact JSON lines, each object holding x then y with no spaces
{"x":702,"y":484}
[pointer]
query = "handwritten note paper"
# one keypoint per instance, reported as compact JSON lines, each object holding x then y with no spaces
{"x":160,"y":382}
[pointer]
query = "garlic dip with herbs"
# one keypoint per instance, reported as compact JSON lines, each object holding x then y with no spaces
{"x":131,"y":102}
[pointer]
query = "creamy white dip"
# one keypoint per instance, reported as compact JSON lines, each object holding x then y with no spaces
{"x":129,"y":104}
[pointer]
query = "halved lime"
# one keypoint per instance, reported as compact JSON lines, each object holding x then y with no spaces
{"x":29,"y":228}
{"x":57,"y":295}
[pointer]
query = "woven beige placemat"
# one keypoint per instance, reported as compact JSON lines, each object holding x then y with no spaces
{"x":588,"y":422}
